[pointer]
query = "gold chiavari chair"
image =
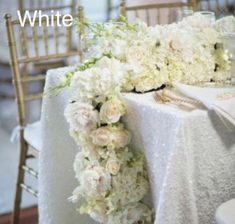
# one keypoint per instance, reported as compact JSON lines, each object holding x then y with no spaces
{"x":112,"y":9}
{"x":157,"y":13}
{"x":5,"y":81}
{"x":47,"y":7}
{"x":220,"y":7}
{"x":29,"y":134}
{"x":65,"y":6}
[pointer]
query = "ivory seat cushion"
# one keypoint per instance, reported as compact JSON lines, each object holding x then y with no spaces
{"x":32,"y":135}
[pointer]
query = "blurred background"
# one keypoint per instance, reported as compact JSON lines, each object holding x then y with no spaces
{"x":102,"y":11}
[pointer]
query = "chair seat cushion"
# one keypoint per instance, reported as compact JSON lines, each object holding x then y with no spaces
{"x":32,"y":134}
{"x":225,"y":214}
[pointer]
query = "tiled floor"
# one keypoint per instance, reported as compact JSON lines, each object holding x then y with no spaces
{"x":28,"y":216}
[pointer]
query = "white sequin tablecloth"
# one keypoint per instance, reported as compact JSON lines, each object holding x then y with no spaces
{"x":190,"y":158}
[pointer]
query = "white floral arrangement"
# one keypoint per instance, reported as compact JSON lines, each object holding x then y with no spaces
{"x":112,"y":178}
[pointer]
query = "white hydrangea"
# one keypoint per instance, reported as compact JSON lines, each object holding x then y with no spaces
{"x":104,"y":79}
{"x":80,"y":164}
{"x":137,"y":212}
{"x":95,"y":182}
{"x":131,"y":214}
{"x":136,"y":187}
{"x":98,"y":212}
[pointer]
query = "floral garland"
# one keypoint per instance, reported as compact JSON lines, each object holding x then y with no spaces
{"x":112,"y":177}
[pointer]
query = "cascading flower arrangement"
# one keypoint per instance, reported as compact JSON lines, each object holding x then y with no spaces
{"x":112,"y":178}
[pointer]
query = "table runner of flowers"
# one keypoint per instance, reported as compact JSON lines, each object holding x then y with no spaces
{"x":112,"y":177}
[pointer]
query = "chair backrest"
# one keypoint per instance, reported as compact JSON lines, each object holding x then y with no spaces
{"x":158,"y":13}
{"x":46,"y":6}
{"x":220,"y":7}
{"x":48,"y":51}
{"x":112,"y":9}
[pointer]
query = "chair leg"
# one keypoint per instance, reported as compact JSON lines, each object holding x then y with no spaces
{"x":20,"y":179}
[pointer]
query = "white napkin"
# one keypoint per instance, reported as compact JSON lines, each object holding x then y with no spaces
{"x":219,"y":99}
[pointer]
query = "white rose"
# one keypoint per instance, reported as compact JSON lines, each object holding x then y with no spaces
{"x":111,"y":111}
{"x":181,"y":43}
{"x":101,"y":136}
{"x":135,"y":53}
{"x":95,"y":181}
{"x":98,"y":212}
{"x":175,"y":44}
{"x":113,"y":166}
{"x":121,"y":138}
{"x":81,"y":116}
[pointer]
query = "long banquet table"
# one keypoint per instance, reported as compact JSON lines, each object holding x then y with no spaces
{"x":190,"y":158}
